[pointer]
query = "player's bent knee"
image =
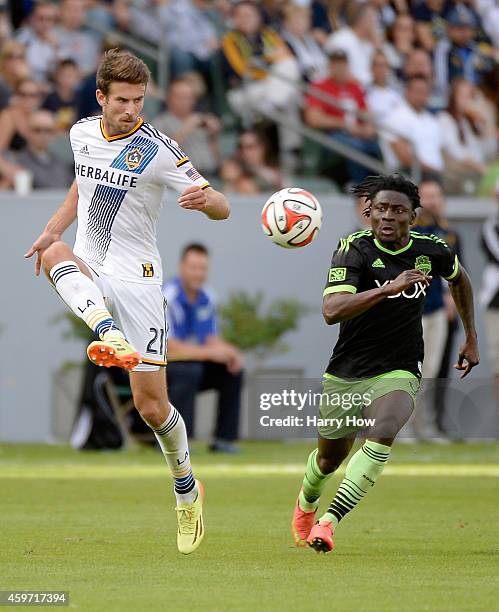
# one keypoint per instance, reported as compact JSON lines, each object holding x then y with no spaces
{"x":328,"y":464}
{"x":56,"y":252}
{"x":151,"y":410}
{"x":388,"y":426}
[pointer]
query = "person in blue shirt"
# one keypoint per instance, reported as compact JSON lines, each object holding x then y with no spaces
{"x":198,"y":358}
{"x":440,"y":321}
{"x":459,"y":55}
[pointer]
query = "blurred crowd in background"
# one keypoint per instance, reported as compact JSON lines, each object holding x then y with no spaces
{"x":412,"y":84}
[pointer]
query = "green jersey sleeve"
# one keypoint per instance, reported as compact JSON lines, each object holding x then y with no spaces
{"x":345,"y":270}
{"x":446,"y":262}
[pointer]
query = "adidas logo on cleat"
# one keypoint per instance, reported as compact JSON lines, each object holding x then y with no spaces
{"x":378,"y":263}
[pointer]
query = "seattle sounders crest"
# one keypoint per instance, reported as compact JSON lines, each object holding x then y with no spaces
{"x":423,"y":264}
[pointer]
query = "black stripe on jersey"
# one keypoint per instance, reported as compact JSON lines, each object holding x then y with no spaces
{"x":86,"y":119}
{"x":153,"y":133}
{"x":106,"y":202}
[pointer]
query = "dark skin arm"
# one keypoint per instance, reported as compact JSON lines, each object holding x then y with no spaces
{"x":462,"y":293}
{"x":337,"y":307}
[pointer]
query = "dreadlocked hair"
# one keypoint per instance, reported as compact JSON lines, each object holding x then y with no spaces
{"x":371,"y":185}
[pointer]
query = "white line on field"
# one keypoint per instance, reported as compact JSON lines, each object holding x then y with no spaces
{"x":70,"y":471}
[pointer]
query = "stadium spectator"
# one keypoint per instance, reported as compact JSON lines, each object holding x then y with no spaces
{"x":15,"y":118}
{"x":418,"y":64}
{"x":321,"y":23}
{"x":62,"y":100}
{"x":13,"y":69}
{"x":191,"y":36}
{"x":340,"y":117}
{"x":185,"y":26}
{"x":463,"y":139}
{"x":39,"y":37}
{"x":5,"y":23}
{"x":47,"y":171}
{"x":198,"y":358}
{"x":296,"y":33}
{"x":490,"y":291}
{"x":254,"y":155}
{"x":382,"y":98}
{"x":236,"y":179}
{"x":487,"y":107}
{"x":440,"y":321}
{"x":459,"y":55}
{"x":74,"y":42}
{"x":270,"y":86}
{"x":414,"y":133}
{"x":490,"y":19}
{"x":357,"y":40}
{"x":430,"y":21}
{"x":197,"y":133}
{"x":400,"y":41}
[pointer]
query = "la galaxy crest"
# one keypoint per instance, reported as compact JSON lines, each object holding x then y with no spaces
{"x":133,"y":158}
{"x":423,"y":264}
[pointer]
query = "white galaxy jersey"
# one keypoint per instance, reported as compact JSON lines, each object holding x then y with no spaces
{"x":121,"y":181}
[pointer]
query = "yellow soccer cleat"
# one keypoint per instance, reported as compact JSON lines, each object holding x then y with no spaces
{"x":113,"y":350}
{"x":190,"y":523}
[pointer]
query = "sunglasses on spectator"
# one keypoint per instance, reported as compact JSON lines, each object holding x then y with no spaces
{"x":15,"y":56}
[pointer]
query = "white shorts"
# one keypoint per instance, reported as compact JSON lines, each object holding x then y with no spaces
{"x":139,"y":310}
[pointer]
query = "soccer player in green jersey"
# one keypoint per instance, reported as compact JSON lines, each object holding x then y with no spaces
{"x":375,"y":289}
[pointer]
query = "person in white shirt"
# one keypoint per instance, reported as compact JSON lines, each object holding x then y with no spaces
{"x":357,"y":41}
{"x":311,"y":58}
{"x":39,"y":38}
{"x":413,"y":132}
{"x":74,"y":42}
{"x":381,"y":97}
{"x":112,"y":278}
{"x":462,"y":127}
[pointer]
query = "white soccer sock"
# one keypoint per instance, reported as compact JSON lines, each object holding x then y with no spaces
{"x":82,"y":295}
{"x":172,"y":437}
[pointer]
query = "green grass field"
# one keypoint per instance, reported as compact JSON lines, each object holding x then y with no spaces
{"x":102,"y":526}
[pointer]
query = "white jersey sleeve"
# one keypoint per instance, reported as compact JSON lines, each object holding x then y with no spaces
{"x":174,"y":168}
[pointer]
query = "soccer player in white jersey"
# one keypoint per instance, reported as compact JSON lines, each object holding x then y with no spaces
{"x":112,"y":277}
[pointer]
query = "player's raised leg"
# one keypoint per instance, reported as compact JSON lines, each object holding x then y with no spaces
{"x":73,"y":282}
{"x":390,"y":412}
{"x":151,"y":400}
{"x":322,"y":462}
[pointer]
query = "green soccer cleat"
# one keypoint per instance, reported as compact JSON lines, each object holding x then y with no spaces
{"x":190,"y":523}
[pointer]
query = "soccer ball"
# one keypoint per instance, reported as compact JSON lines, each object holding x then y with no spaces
{"x":291,"y":217}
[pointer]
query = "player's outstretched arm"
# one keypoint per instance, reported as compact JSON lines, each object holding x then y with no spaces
{"x":209,"y":201}
{"x":57,"y":225}
{"x":462,"y":294}
{"x":342,"y":306}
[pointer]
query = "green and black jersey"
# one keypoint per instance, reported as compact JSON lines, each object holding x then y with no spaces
{"x":388,"y":336}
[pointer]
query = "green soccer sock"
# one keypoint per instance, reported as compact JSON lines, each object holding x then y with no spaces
{"x":362,"y":471}
{"x":314,"y":482}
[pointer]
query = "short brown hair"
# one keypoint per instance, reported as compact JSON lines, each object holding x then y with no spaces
{"x":123,"y":67}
